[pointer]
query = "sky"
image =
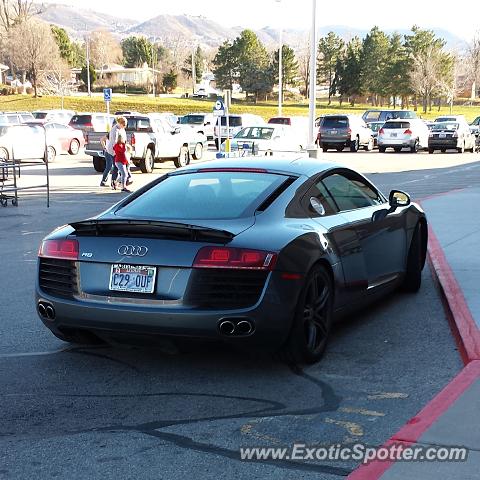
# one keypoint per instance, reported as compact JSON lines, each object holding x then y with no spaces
{"x":461,"y":17}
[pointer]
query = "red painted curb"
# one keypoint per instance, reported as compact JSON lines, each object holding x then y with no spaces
{"x":467,"y":336}
{"x":417,"y":425}
{"x":463,"y":325}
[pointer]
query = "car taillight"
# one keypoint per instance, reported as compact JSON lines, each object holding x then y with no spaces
{"x":349,"y":131}
{"x":381,"y":131}
{"x":407,"y":132}
{"x":239,"y":258}
{"x":64,"y":249}
{"x":132,"y":139}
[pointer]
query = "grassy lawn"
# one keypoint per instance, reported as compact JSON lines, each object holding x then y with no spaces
{"x":182,"y":106}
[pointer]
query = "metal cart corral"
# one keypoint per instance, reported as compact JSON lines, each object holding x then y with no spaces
{"x":10,"y":173}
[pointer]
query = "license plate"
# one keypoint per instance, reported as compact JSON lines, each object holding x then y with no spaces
{"x":132,"y":278}
{"x":442,"y":135}
{"x":393,"y":134}
{"x":333,"y":132}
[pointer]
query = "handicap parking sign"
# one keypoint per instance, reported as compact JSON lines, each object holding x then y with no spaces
{"x":219,"y":108}
{"x":107,"y":94}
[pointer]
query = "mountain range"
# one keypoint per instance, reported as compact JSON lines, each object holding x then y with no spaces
{"x":194,"y":30}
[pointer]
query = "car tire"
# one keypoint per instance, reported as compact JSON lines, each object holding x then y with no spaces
{"x":198,"y":152}
{"x":414,"y":148}
{"x":4,"y":153}
{"x":443,"y":150}
{"x":51,"y":154}
{"x":431,"y":150}
{"x":461,"y":149}
{"x":415,"y":261}
{"x":354,"y":146}
{"x":382,"y":149}
{"x":216,"y":143}
{"x":74,"y":147}
{"x":147,"y":163}
{"x":99,"y":164}
{"x":339,"y":149}
{"x":312,"y":322}
{"x":397,"y":149}
{"x":370,"y":145}
{"x":183,"y":158}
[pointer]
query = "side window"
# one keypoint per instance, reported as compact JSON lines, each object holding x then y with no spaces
{"x":372,"y":116}
{"x":143,"y":125}
{"x":12,"y":119}
{"x":26,"y":118}
{"x":351,"y":192}
{"x":326,"y":203}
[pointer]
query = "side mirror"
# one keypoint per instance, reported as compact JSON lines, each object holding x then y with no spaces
{"x":176,"y":130}
{"x":207,"y":123}
{"x":317,"y":206}
{"x":397,"y":198}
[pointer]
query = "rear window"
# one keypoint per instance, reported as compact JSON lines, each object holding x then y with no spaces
{"x":396,"y":125}
{"x":40,"y":115}
{"x":255,"y":133}
{"x":204,"y":195}
{"x":138,"y":125}
{"x":280,"y":121}
{"x":335,"y":122}
{"x":192,"y":120}
{"x":233,"y":121}
{"x":445,"y":126}
{"x":81,"y":119}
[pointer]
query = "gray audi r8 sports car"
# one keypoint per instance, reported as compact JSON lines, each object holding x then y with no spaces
{"x":257,"y":252}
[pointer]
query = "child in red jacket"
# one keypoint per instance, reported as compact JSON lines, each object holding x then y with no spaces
{"x":121,"y":161}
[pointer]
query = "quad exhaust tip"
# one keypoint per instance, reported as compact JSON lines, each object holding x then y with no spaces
{"x":46,"y":310}
{"x":236,"y":327}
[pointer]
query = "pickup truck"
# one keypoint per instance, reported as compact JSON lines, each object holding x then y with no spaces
{"x":153,"y":139}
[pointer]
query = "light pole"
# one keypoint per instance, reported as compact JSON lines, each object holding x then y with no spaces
{"x":313,"y":74}
{"x":153,"y":53}
{"x":87,"y":45}
{"x":280,"y":67}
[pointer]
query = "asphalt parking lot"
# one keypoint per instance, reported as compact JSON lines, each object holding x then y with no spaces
{"x":167,"y":413}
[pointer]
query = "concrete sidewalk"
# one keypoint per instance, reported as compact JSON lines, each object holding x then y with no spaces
{"x":451,"y":419}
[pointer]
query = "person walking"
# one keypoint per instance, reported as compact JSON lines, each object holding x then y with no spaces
{"x":121,"y":160}
{"x":108,"y":143}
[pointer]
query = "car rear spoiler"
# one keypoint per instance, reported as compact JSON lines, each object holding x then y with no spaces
{"x":150,"y":229}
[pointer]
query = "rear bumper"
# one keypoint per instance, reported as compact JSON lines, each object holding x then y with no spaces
{"x":443,"y":143}
{"x":94,"y":153}
{"x":400,"y":142}
{"x":271,"y":318}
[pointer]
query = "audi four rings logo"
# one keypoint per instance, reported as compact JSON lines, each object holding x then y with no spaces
{"x":132,"y":251}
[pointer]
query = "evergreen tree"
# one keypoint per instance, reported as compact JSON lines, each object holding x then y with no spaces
{"x":225,"y":66}
{"x":199,"y":59}
{"x":65,"y":46}
{"x":289,"y":66}
{"x":374,"y":60}
{"x":348,"y":71}
{"x":330,"y":49}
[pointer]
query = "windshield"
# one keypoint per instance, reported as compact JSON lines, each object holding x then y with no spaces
{"x":445,"y":126}
{"x":402,"y":114}
{"x":40,"y":115}
{"x":255,"y":133}
{"x":204,"y":195}
{"x":81,"y":119}
{"x":192,"y":120}
{"x":375,"y":127}
{"x":395,"y":125}
{"x":233,"y":121}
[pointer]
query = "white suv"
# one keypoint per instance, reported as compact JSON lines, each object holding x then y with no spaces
{"x":409,"y":133}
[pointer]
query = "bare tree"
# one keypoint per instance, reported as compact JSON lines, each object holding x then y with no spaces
{"x":57,"y":80}
{"x":14,"y":12}
{"x":33,"y":48}
{"x":473,"y":61}
{"x":424,"y":75}
{"x":303,"y":57}
{"x":104,"y":48}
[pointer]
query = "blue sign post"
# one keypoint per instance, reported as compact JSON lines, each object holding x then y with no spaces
{"x":107,"y":97}
{"x":221,"y":110}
